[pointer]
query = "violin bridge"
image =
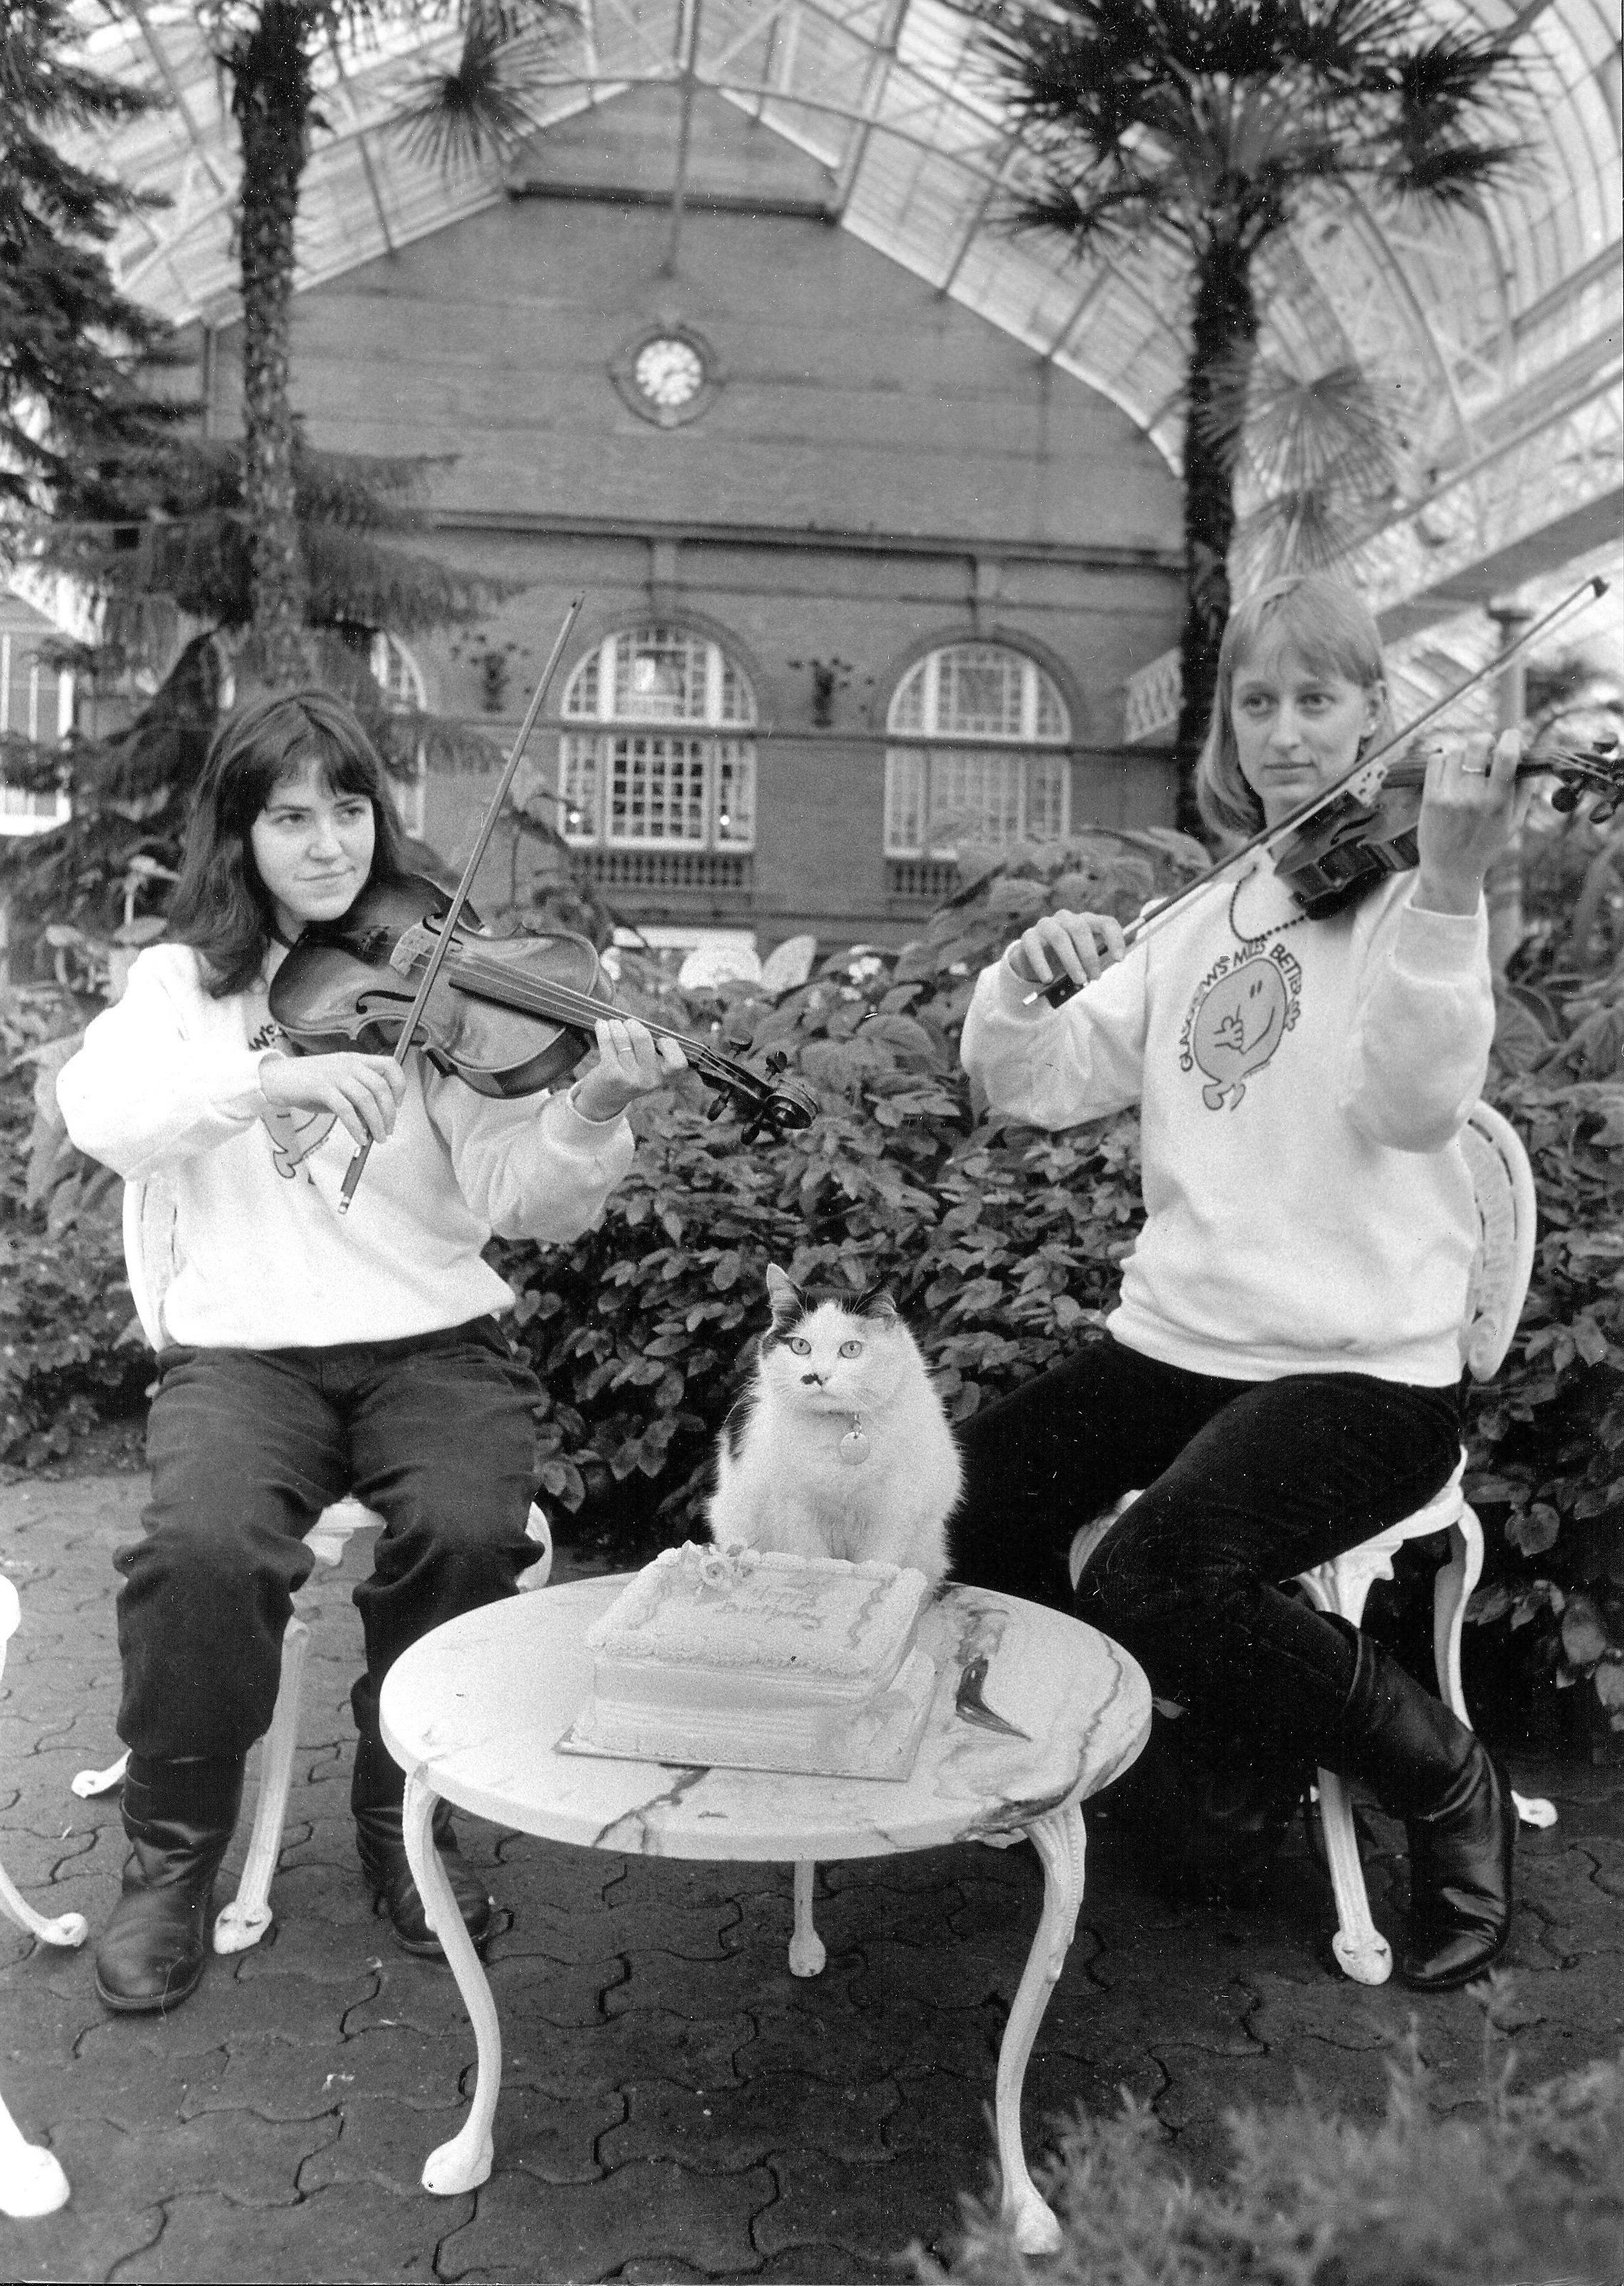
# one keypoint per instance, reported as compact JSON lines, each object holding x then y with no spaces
{"x":412,"y":945}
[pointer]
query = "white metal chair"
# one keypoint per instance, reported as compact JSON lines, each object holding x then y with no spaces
{"x":151,"y":1261}
{"x":1503,"y":1186}
{"x":31,"y":2179}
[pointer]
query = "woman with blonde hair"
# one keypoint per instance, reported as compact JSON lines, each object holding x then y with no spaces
{"x":1280,"y":1377}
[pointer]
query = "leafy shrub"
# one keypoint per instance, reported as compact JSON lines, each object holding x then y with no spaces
{"x":1547,"y":1436}
{"x":65,"y":1306}
{"x":1529,"y":2188}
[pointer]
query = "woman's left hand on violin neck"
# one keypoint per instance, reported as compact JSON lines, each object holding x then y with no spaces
{"x":630,"y":1063}
{"x":1469,"y":814}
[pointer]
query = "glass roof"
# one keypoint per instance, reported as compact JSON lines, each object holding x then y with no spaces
{"x":1501,"y":335}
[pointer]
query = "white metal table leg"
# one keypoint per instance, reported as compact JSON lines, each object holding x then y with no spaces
{"x":806,"y":1949}
{"x":31,"y":2179}
{"x":66,"y":1929}
{"x":1060,"y":1841}
{"x":464,"y":2163}
{"x":245,"y":1920}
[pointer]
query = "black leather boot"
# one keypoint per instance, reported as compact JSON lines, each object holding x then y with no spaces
{"x":1456,"y":1800}
{"x":376,"y":1794}
{"x":179,"y":1818}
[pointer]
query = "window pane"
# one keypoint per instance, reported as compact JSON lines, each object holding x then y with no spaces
{"x":735,"y":793}
{"x":738,"y":701}
{"x":978,"y":692}
{"x":904,"y":801}
{"x":1051,"y":723}
{"x":973,"y":797}
{"x":656,"y":789}
{"x":908,"y":706}
{"x":581,"y":697}
{"x":1046,"y":798}
{"x":578,"y":782}
{"x":660,"y":676}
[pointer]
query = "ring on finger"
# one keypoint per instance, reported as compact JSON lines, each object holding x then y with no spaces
{"x":1475,"y":769}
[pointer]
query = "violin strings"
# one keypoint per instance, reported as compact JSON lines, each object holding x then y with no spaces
{"x":563,"y":1002}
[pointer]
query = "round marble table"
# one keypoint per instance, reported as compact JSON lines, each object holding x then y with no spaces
{"x":474,"y":1714}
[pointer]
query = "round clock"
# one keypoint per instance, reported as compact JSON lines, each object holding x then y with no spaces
{"x":667,"y":375}
{"x":668,"y":372}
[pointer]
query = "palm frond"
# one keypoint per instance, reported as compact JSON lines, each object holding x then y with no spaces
{"x":1453,"y":174}
{"x":486,"y":104}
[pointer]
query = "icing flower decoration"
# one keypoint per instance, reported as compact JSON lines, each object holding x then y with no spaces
{"x":718,"y":1569}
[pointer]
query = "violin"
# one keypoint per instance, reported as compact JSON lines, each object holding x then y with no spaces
{"x":1343,"y":852}
{"x":1351,"y":834}
{"x":508,"y":1015}
{"x":371,"y":980}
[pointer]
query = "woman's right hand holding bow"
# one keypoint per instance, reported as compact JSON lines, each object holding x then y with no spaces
{"x":1079,"y":945}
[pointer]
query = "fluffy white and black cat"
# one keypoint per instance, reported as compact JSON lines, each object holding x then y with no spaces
{"x":840,"y":1447}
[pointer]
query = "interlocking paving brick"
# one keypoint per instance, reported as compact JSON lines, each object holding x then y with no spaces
{"x":386,"y":2141}
{"x":822,"y":2265}
{"x":424,"y":1993}
{"x":649,"y":2210}
{"x":872,"y":2213}
{"x":599,"y":2057}
{"x":85,"y":2239}
{"x":722,"y":2130}
{"x":852,"y":2047}
{"x":351,"y":2232}
{"x":110,"y":2165}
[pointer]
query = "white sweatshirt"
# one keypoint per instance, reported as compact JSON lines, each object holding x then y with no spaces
{"x":168,"y":1083}
{"x":1308,"y":1206}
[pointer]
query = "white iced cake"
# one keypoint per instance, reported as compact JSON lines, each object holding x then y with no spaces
{"x":761,"y":1662}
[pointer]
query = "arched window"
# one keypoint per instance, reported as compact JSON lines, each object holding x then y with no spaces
{"x":664,"y":767}
{"x":976,"y":753}
{"x":36,"y":703}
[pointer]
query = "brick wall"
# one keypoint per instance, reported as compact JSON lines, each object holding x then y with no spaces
{"x":877,"y":472}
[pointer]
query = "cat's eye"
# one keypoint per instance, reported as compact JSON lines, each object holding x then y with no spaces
{"x":800,"y":1347}
{"x":852,"y":1349}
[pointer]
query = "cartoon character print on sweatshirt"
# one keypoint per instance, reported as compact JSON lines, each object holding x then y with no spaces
{"x":1242,"y":1008}
{"x":293,"y":1134}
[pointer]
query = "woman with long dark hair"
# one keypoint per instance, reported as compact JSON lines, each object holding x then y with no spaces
{"x":1279,"y":1379}
{"x":308,"y":1353}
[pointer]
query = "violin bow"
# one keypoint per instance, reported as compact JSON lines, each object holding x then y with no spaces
{"x":453,"y":911}
{"x":1589,"y":591}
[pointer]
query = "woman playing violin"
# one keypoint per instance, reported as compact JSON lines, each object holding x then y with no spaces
{"x":1281,"y":1373}
{"x":309,"y":1354}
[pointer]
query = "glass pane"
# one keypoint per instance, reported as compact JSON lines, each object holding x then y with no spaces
{"x":979,"y":692}
{"x":904,"y":801}
{"x":1051,"y":723}
{"x":1046,"y":798}
{"x":660,"y":676}
{"x":973,"y":797}
{"x":581,"y":696}
{"x":738,"y":703}
{"x":735,"y":794}
{"x":579,"y":778}
{"x":658,"y":790}
{"x":908,"y":706}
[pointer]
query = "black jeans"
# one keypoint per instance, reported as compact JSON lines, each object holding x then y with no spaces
{"x":1244,"y":1485}
{"x":247,"y":1447}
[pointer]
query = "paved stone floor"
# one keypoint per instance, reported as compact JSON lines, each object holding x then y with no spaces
{"x":675,"y":2104}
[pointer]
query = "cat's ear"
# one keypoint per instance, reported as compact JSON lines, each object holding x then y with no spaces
{"x":783,"y":1295}
{"x":875,"y":1302}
